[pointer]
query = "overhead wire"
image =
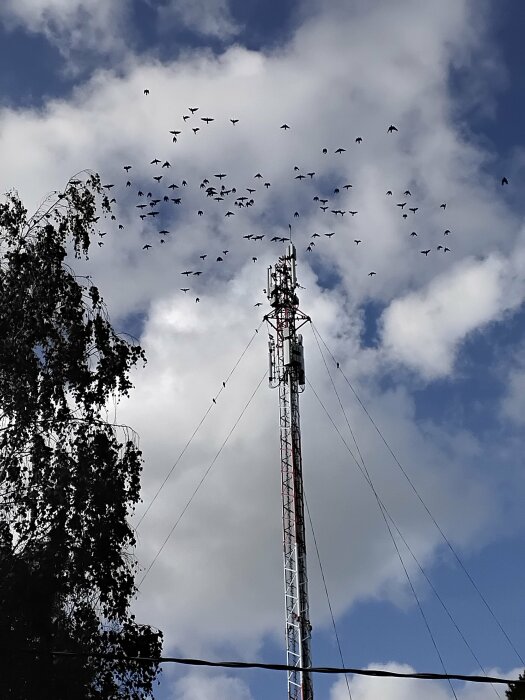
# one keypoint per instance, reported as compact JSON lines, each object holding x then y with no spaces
{"x":426,"y":508}
{"x":316,"y":547}
{"x":386,"y":514}
{"x":203,"y":478}
{"x":330,"y":670}
{"x":421,"y":611}
{"x":199,"y":425}
{"x":386,"y":517}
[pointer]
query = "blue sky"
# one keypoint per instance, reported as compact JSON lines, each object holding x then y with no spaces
{"x":435,"y":345}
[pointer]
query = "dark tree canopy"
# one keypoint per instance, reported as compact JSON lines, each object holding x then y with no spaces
{"x":69,"y":479}
{"x":516,"y":691}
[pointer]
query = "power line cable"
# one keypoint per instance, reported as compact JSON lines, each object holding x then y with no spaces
{"x":330,"y":670}
{"x":203,"y":478}
{"x":412,"y":588}
{"x":327,"y":595}
{"x":385,"y":514}
{"x":436,"y":524}
{"x":157,"y":493}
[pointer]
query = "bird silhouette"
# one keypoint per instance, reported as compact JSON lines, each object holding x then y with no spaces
{"x":357,"y":242}
{"x":146,"y":247}
{"x":425,"y":252}
{"x":371,"y":274}
{"x":285,"y":126}
{"x":234,"y":121}
{"x":391,"y":128}
{"x":504,"y":181}
{"x":443,"y":206}
{"x":146,"y":91}
{"x":127,"y":168}
{"x":207,"y":119}
{"x":184,"y":289}
{"x":413,"y":233}
{"x":340,"y":150}
{"x":193,"y":109}
{"x":155,"y":161}
{"x":359,"y":139}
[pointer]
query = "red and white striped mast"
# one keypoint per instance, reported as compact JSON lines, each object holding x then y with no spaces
{"x":287,"y":374}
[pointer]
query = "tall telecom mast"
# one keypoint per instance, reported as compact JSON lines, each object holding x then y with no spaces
{"x":287,"y":373}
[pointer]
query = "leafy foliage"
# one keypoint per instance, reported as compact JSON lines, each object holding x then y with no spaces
{"x":515,"y":691}
{"x":69,"y":479}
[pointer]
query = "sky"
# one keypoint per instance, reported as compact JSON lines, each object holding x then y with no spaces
{"x":433,"y":343}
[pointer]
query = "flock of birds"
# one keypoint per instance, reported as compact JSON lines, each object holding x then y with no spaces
{"x":152,"y":203}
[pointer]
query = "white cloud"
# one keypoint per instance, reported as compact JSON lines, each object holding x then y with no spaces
{"x":219,"y":687}
{"x":423,"y":329}
{"x":369,"y":688}
{"x":73,"y":25}
{"x":211,"y":18}
{"x":223,"y":562}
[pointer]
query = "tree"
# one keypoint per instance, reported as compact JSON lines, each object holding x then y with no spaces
{"x":517,"y":691}
{"x":69,"y":479}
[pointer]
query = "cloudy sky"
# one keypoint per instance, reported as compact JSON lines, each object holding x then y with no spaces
{"x":433,"y":343}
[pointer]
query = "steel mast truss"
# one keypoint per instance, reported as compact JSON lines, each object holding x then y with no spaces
{"x":287,"y":374}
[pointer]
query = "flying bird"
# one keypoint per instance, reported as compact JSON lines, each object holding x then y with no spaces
{"x":193,"y":109}
{"x":285,"y":126}
{"x":146,"y":91}
{"x":155,"y":161}
{"x":187,"y":272}
{"x":234,"y":121}
{"x":413,"y":233}
{"x":127,"y":168}
{"x":504,"y":181}
{"x":146,"y":247}
{"x":391,"y":129}
{"x":443,"y":206}
{"x":325,"y":150}
{"x":166,"y":164}
{"x":184,"y":289}
{"x":425,"y":252}
{"x":358,"y":139}
{"x":357,"y":242}
{"x":370,"y":274}
{"x":340,"y":150}
{"x":207,"y":119}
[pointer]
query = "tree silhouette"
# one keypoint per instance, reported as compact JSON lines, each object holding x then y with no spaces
{"x":517,"y":691}
{"x":69,"y":479}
